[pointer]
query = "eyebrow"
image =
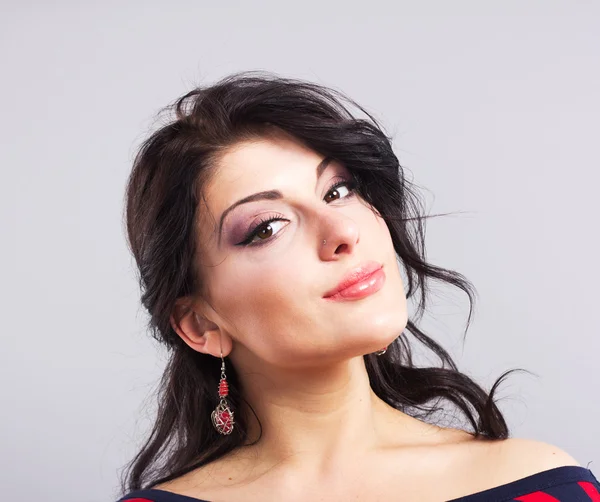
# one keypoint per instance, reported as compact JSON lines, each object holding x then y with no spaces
{"x":267,"y":195}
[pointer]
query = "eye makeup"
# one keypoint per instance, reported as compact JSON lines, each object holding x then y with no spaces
{"x":266,"y":221}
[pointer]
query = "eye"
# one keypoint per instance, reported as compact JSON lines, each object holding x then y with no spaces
{"x":350,"y":186}
{"x":263,"y":230}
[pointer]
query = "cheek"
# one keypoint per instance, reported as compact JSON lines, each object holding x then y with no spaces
{"x":268,"y":309}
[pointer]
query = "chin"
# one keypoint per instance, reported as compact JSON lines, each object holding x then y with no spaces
{"x":366,"y":347}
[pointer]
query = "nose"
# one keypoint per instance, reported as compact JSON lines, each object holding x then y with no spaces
{"x":339,"y":234}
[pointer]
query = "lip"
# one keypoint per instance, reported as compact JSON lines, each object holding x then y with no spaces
{"x":359,"y":282}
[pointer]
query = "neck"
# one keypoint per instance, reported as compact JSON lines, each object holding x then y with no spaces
{"x":322,"y":416}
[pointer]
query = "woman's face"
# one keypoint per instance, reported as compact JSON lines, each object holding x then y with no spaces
{"x":266,"y":290}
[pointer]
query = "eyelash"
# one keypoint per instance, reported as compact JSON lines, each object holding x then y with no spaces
{"x":351,"y":185}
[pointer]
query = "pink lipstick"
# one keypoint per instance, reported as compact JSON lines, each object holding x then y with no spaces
{"x":358,"y":282}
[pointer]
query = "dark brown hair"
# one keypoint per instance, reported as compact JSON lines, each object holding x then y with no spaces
{"x":162,"y":196}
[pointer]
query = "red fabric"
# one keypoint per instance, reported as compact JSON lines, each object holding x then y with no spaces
{"x":537,"y":497}
{"x":591,"y":490}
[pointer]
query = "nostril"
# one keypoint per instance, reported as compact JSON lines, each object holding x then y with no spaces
{"x":343,"y":246}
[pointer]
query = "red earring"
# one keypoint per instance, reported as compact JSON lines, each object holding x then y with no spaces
{"x":222,"y":416}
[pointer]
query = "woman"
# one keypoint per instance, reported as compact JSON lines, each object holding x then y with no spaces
{"x":269,"y":225}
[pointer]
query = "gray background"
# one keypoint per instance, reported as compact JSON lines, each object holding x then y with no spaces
{"x":494,"y":108}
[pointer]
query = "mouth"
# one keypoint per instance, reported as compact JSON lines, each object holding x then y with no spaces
{"x":358,"y":282}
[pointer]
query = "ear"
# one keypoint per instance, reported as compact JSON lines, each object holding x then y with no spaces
{"x":197,"y":331}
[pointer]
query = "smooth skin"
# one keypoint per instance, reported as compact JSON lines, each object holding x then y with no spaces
{"x":326,"y":435}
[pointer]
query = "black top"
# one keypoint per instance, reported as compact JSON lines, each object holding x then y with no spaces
{"x":568,"y":483}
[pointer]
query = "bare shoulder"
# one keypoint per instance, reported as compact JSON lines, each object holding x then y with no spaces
{"x":521,"y":457}
{"x":484,"y":464}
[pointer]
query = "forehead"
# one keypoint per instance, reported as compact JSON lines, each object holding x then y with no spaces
{"x":260,"y":161}
{"x":278,"y":163}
